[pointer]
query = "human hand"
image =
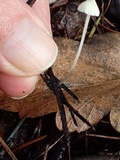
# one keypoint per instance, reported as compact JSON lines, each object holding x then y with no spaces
{"x":26,"y":45}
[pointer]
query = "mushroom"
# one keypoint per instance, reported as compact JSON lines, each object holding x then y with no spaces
{"x":90,"y":8}
{"x":52,"y":1}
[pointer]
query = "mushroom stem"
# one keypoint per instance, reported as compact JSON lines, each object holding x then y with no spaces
{"x":79,"y":48}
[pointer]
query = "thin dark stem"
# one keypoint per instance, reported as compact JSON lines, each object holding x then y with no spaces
{"x":31,"y":2}
{"x":53,"y":84}
{"x":64,"y":120}
{"x":69,"y":91}
{"x":68,"y":105}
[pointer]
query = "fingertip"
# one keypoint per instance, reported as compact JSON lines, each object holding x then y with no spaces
{"x":29,"y":49}
{"x":17,"y":87}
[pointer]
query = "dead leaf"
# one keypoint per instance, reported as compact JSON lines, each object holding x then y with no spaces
{"x":92,"y":107}
{"x":98,"y":71}
{"x":115,"y":117}
{"x":59,"y":3}
{"x":66,"y":20}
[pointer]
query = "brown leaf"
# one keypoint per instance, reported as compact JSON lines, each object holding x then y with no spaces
{"x":66,"y":20}
{"x":115,"y":117}
{"x":92,"y":107}
{"x":59,"y":3}
{"x":99,"y":65}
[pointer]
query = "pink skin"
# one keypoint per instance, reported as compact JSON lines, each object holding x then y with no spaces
{"x":26,"y":45}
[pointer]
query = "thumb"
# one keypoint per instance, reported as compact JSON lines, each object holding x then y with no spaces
{"x":17,"y":87}
{"x":27,"y":48}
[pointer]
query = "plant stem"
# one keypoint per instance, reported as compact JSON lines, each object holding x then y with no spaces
{"x":79,"y":49}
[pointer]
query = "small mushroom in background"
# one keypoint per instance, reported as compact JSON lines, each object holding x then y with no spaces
{"x":52,"y":1}
{"x":90,"y":8}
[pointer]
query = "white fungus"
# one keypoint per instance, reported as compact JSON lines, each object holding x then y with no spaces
{"x":90,"y":8}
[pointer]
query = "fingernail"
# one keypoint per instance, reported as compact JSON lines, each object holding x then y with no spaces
{"x":29,"y":48}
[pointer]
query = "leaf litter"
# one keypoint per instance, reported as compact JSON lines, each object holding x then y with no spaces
{"x":95,"y":81}
{"x":90,"y":106}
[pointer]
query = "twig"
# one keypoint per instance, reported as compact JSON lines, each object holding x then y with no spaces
{"x":16,"y":129}
{"x":50,"y":147}
{"x":102,"y":136}
{"x":46,"y":152}
{"x":28,"y":143}
{"x":8,"y":149}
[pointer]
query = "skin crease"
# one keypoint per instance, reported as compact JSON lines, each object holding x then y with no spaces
{"x":26,"y":45}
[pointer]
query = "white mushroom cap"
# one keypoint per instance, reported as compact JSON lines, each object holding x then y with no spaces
{"x":52,"y":1}
{"x":89,"y":7}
